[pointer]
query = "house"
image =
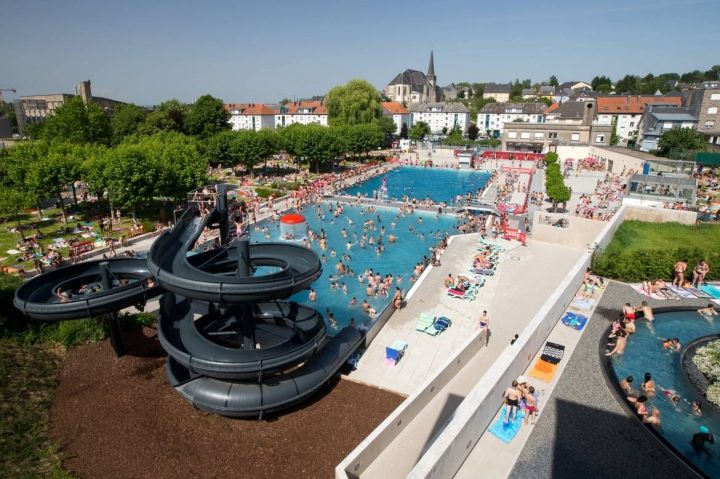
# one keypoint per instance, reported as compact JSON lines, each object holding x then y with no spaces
{"x":627,"y":111}
{"x":441,"y":116}
{"x":304,"y":112}
{"x":494,"y":116}
{"x":704,"y":104}
{"x":575,"y":85}
{"x":499,"y":91}
{"x":658,"y":119}
{"x":546,"y":91}
{"x":413,"y":86}
{"x":399,"y":114}
{"x":571,"y":123}
{"x":250,"y":116}
{"x":528,"y":93}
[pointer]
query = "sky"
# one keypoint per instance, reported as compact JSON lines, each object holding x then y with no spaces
{"x":262,"y":51}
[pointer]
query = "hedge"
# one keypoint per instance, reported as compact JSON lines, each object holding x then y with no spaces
{"x":648,"y":264}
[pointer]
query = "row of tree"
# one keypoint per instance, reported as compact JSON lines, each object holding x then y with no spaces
{"x":555,"y":186}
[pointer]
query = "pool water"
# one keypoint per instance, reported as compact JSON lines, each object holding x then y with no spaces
{"x":644,"y":353}
{"x":440,"y":184}
{"x":399,"y":258}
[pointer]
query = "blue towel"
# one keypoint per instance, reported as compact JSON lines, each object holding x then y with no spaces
{"x":574,"y":320}
{"x":583,"y":303}
{"x":506,"y":431}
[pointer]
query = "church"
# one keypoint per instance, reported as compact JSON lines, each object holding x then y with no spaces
{"x":413,"y":86}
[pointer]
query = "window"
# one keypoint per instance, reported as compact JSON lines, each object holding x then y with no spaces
{"x":600,"y":139}
{"x":712,"y":110}
{"x":715,"y":96}
{"x":632,"y":123}
{"x":709,"y":124}
{"x":552,"y":135}
{"x":525,"y":135}
{"x":512,"y":134}
{"x":667,"y":125}
{"x":575,"y":137}
{"x":539,"y":136}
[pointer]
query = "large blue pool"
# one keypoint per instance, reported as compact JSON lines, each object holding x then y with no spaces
{"x":644,"y":353}
{"x":440,"y":184}
{"x":398,"y":259}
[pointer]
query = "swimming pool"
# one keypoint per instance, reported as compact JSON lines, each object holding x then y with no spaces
{"x":644,"y":353}
{"x":440,"y":184}
{"x":398,"y":259}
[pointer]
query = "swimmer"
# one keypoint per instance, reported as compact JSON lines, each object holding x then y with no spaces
{"x":708,"y":312}
{"x":349,"y":245}
{"x":672,"y":344}
{"x":701,"y":438}
{"x":332,"y":320}
{"x":626,"y":385}
{"x":697,"y":407}
{"x":312,"y":296}
{"x":648,"y":385}
{"x":647,"y":311}
{"x":672,"y":395}
{"x":323,"y":258}
{"x":333,"y":253}
{"x":365,"y":305}
{"x":361,"y":278}
{"x":353,"y":301}
{"x":344,"y":287}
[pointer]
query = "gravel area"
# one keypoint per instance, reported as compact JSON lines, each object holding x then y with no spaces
{"x":119,"y":418}
{"x":583,"y":430}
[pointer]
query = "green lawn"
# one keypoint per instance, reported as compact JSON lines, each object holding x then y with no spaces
{"x":643,"y":251}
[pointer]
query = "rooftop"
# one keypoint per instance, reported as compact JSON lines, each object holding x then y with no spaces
{"x":414,"y":78}
{"x":525,"y":108}
{"x":438,"y":108}
{"x":633,"y":104}
{"x":497,"y":88}
{"x":393,"y":107}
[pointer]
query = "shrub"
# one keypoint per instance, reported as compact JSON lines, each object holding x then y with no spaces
{"x":76,"y":332}
{"x":266,"y":192}
{"x":707,"y":360}
{"x":647,"y":264}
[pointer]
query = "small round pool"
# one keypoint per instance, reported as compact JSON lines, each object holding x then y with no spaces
{"x":644,"y":353}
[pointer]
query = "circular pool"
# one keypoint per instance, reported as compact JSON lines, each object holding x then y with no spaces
{"x":644,"y":353}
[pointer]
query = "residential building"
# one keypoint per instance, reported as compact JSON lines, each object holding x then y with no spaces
{"x":528,"y":93}
{"x":572,"y":124}
{"x":658,"y":119}
{"x":441,"y":115}
{"x":251,"y":116}
{"x":499,"y":91}
{"x":302,"y":112}
{"x":627,"y":111}
{"x":36,"y":108}
{"x":704,"y":104}
{"x":494,"y":116}
{"x":546,"y":91}
{"x":399,"y":114}
{"x":574,"y":85}
{"x":413,"y":86}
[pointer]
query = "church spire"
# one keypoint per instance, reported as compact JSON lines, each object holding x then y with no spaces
{"x":431,"y":67}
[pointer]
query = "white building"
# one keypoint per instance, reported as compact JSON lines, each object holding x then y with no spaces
{"x":399,"y":114}
{"x":251,"y":116}
{"x":302,"y":112}
{"x":441,"y":115}
{"x":500,"y":92}
{"x":493,"y":117}
{"x":627,"y":111}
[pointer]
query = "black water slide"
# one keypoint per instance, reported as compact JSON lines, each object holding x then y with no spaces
{"x":78,"y":291}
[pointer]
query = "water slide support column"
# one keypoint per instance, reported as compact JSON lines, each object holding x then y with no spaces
{"x":247,"y":320}
{"x":112,"y":318}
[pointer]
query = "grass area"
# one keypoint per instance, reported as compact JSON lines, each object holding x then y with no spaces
{"x":643,"y":251}
{"x":28,"y":378}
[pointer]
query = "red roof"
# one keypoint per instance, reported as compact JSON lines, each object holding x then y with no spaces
{"x":394,"y":108}
{"x":292,"y":219}
{"x":294,"y":107}
{"x":632,"y":104}
{"x":251,"y":108}
{"x":552,"y":108}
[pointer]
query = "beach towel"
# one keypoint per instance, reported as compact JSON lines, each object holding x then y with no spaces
{"x":681,"y":292}
{"x":581,"y":303}
{"x":712,"y":290}
{"x":543,"y":370}
{"x":574,"y":320}
{"x":553,"y":352}
{"x":13,"y":251}
{"x":637,"y":287}
{"x":698,"y":292}
{"x":506,"y":432}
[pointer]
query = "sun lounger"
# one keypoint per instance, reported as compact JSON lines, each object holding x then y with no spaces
{"x":553,"y":352}
{"x":424,"y":321}
{"x":395,"y":352}
{"x":543,"y":370}
{"x":440,"y":325}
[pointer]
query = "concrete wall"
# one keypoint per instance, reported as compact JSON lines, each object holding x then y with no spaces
{"x":575,"y":152}
{"x":660,"y":215}
{"x":473,"y":416}
{"x":619,"y":160}
{"x":370,"y":448}
{"x":579,"y":233}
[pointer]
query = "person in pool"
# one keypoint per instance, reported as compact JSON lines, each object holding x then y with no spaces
{"x":353,"y":301}
{"x":648,"y":385}
{"x":626,"y":386}
{"x":312,"y":296}
{"x":672,"y":344}
{"x":397,"y":299}
{"x":708,"y":312}
{"x":701,"y":438}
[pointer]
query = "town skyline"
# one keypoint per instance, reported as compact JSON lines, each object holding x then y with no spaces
{"x":152,"y":53}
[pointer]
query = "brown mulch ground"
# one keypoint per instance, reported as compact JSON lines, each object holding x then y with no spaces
{"x":120,"y":418}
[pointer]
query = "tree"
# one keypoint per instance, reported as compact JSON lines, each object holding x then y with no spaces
{"x":554,"y":183}
{"x":444,"y":130}
{"x":219,"y":149}
{"x":207,"y":116}
{"x":269,"y":143}
{"x":677,"y":142}
{"x":126,"y":121}
{"x":13,"y":202}
{"x":75,"y":122}
{"x":419,"y":130}
{"x":473,"y":131}
{"x":553,"y":81}
{"x":360,"y":139}
{"x":247,"y":149}
{"x":614,"y":138}
{"x":131,"y":177}
{"x":319,"y":144}
{"x":354,"y":103}
{"x":600,"y":80}
{"x":386,"y":125}
{"x":629,"y":84}
{"x":167,"y":116}
{"x":404,"y":131}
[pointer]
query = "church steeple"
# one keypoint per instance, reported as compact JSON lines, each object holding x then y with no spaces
{"x":431,"y":80}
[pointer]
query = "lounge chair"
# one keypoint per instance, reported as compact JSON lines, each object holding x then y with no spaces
{"x":440,"y":325}
{"x":424,"y":321}
{"x":394,"y":352}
